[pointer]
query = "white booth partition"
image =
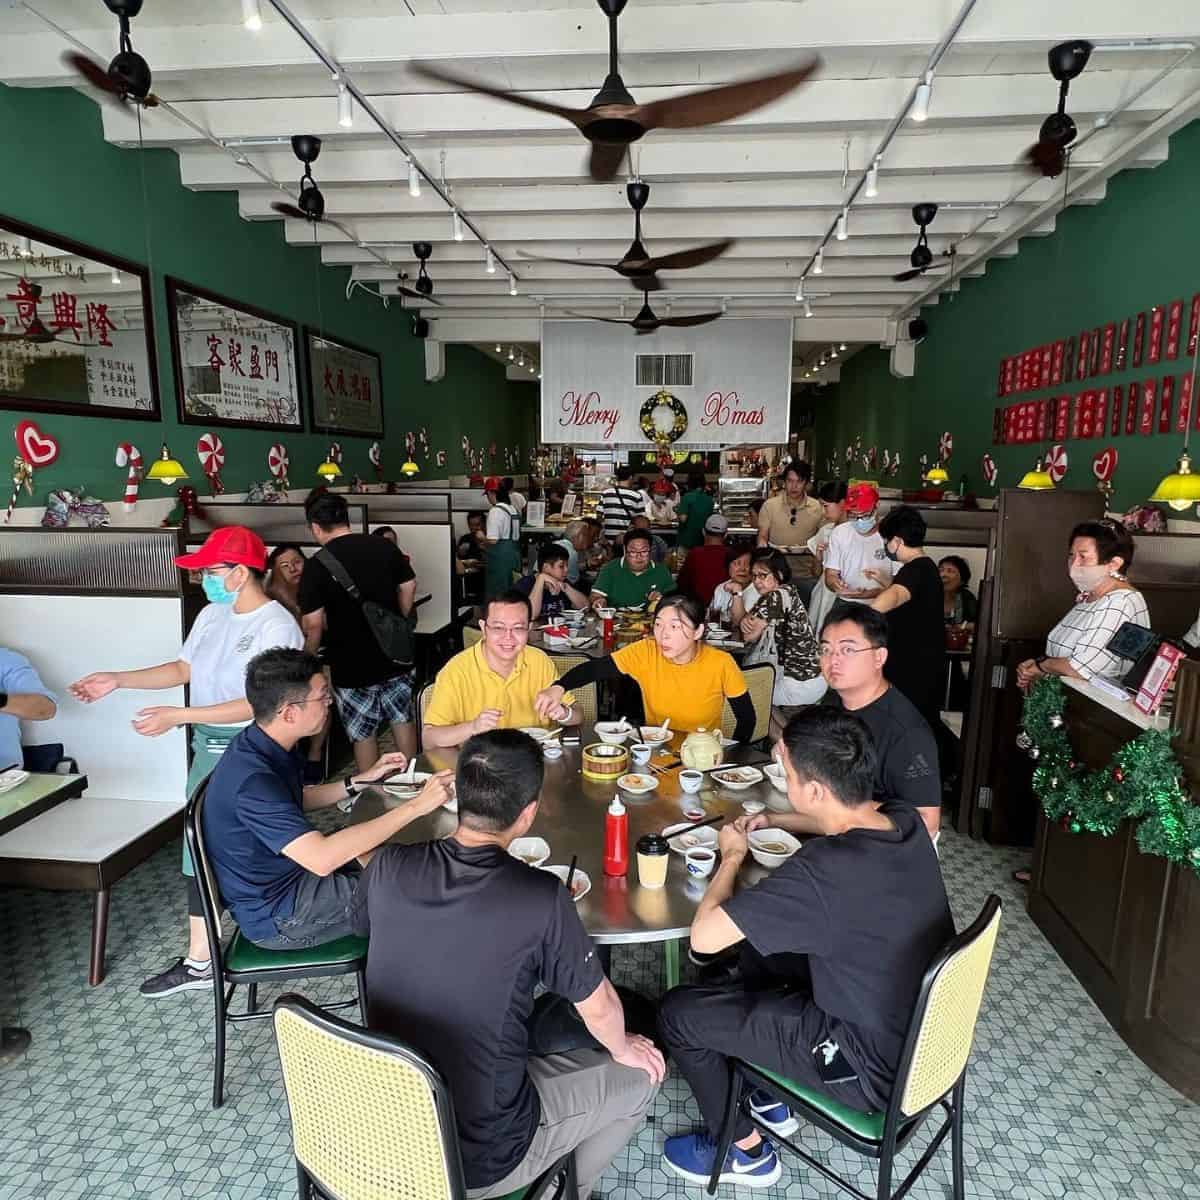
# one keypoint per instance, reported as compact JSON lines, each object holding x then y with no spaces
{"x":75,"y":601}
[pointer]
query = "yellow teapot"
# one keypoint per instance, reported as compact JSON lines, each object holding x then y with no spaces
{"x":701,"y":750}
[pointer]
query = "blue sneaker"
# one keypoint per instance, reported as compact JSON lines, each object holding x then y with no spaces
{"x":775,"y":1116}
{"x":691,"y":1155}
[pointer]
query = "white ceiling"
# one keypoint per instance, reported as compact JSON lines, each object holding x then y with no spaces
{"x":775,"y":180}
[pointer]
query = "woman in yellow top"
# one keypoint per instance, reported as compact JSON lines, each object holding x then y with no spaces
{"x":680,"y":676}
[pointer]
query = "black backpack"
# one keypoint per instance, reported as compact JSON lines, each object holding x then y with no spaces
{"x":394,"y":632}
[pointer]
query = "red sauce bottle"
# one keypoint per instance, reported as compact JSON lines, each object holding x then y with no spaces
{"x":616,"y":839}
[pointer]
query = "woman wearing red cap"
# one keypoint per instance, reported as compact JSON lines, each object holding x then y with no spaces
{"x":238,"y":622}
{"x":502,"y":537}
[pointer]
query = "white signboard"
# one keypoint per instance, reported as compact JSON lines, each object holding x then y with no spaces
{"x":740,"y":390}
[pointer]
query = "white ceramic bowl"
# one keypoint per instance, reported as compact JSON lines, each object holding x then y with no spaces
{"x":752,"y":807}
{"x":551,"y":750}
{"x":613,"y":732}
{"x":530,"y":850}
{"x":653,"y":735}
{"x":774,"y":772}
{"x":737,"y":779}
{"x":691,"y":781}
{"x":406,"y":790}
{"x":581,"y":884}
{"x":763,"y":843}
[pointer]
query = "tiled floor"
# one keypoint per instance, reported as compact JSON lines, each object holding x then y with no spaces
{"x":112,"y":1101}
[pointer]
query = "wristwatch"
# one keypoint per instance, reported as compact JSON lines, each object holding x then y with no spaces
{"x":352,"y":789}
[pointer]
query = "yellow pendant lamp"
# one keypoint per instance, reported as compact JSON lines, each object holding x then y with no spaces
{"x":165,"y":469}
{"x":409,"y":469}
{"x":1181,"y":489}
{"x":329,"y":470}
{"x":1037,"y":480}
{"x":936,"y":476}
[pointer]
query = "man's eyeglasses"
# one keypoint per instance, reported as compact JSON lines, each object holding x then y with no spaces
{"x":518,"y":630}
{"x":325,"y":697}
{"x":843,"y":651}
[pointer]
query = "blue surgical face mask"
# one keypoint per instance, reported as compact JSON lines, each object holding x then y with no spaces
{"x":864,"y":524}
{"x":215,"y":591}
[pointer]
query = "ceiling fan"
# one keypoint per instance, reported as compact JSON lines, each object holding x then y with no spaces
{"x":921,"y":256}
{"x":637,"y":264}
{"x":647,"y":322}
{"x":422,"y":288}
{"x":310,"y":203}
{"x":128,"y":75}
{"x":1048,"y":156}
{"x":614,"y":121}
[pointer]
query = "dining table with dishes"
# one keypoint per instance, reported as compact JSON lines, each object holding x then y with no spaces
{"x":583,"y":631}
{"x":673,"y":811}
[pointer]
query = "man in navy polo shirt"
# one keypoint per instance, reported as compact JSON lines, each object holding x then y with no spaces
{"x":286,"y":883}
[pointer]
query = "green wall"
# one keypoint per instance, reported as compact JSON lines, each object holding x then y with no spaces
{"x":60,"y":175}
{"x":1138,"y":248}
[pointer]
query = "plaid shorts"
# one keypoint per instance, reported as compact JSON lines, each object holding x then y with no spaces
{"x":364,"y":709}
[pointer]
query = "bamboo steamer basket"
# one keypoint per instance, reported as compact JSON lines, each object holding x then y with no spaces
{"x":604,"y":762}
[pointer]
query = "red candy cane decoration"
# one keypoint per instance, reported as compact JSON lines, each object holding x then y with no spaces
{"x":128,"y":455}
{"x":989,"y":470}
{"x":211,"y":452}
{"x":335,"y":452}
{"x":945,"y":446}
{"x":375,"y":454}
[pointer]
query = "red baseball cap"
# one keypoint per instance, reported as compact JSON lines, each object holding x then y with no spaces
{"x":491,"y":483}
{"x":234,"y":544}
{"x":862,"y":498}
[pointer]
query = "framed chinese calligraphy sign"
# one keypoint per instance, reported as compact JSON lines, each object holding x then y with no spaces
{"x":234,"y":365}
{"x":344,"y":386}
{"x":76,"y":330}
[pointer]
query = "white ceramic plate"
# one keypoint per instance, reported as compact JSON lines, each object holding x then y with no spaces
{"x":705,"y":836}
{"x":738,"y":779}
{"x":637,"y":784}
{"x":533,"y":851}
{"x":537,"y":733}
{"x":580,"y":883}
{"x":12,"y":778}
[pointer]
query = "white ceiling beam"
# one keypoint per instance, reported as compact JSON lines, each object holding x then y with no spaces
{"x":844,"y":105}
{"x":360,"y":43}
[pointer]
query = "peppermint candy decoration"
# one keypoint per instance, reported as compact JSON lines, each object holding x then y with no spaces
{"x":128,"y":455}
{"x":440,"y":458}
{"x":335,"y":452}
{"x":210,"y":450}
{"x":945,"y":446}
{"x":423,"y":438}
{"x":277,"y":463}
{"x":375,"y":456}
{"x":1056,"y":463}
{"x":849,"y":454}
{"x":989,"y":469}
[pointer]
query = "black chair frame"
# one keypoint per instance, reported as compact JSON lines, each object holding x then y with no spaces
{"x":223,"y":977}
{"x":560,"y":1174}
{"x":898,"y":1129}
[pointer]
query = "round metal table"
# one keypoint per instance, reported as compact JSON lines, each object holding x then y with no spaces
{"x":570,"y":817}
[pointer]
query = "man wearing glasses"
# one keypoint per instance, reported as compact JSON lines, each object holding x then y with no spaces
{"x":493,"y":684}
{"x":287,"y":884}
{"x":787,"y":521}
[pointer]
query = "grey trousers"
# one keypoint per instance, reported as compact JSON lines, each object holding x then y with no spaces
{"x":589,"y":1104}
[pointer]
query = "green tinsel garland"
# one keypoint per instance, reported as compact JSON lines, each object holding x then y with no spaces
{"x":1142,"y":783}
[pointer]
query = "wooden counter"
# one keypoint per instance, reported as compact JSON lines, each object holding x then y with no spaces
{"x":1127,"y":923}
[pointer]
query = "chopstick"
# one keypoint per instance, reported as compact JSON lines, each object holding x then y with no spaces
{"x":697,"y":824}
{"x":391,"y":775}
{"x":571,"y":871}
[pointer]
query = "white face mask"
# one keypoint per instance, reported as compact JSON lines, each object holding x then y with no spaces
{"x":1087,"y":579}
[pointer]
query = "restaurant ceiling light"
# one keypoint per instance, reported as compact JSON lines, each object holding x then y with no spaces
{"x":512,"y":354}
{"x":345,"y":107}
{"x":843,"y":230}
{"x":521,"y":359}
{"x":872,"y":188}
{"x":512,"y":285}
{"x":833,"y":352}
{"x":251,"y":15}
{"x":456,"y":227}
{"x":414,"y":179}
{"x":842,"y":346}
{"x":1037,"y":480}
{"x":1180,"y":489}
{"x":491,"y":261}
{"x":116,"y":277}
{"x":165,"y":469}
{"x":819,"y":262}
{"x":499,"y":348}
{"x":532,"y":368}
{"x":807,"y":309}
{"x":920,"y":105}
{"x":800,"y":291}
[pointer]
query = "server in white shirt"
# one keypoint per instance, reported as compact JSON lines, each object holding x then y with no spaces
{"x":856,"y":547}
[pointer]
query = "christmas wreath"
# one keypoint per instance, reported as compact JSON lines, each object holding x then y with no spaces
{"x":652,"y":429}
{"x":1142,"y":783}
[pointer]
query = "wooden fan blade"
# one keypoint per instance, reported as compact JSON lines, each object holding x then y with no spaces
{"x":1048,"y":159}
{"x":912,"y":273}
{"x":714,"y":105}
{"x":575,"y":115}
{"x":290,"y":210}
{"x":698,"y":319}
{"x":570,"y":262}
{"x":406,"y":291}
{"x":95,"y":73}
{"x":570,"y":312}
{"x":681,"y":260}
{"x":605,"y":160}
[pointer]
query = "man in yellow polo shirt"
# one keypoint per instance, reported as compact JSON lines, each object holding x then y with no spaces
{"x":493,"y":684}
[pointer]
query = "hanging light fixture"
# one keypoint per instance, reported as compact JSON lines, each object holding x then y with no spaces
{"x":251,"y":16}
{"x":842,"y":346}
{"x":116,"y":277}
{"x":414,"y":179}
{"x":872,"y":188}
{"x":165,"y":469}
{"x":937,"y":476}
{"x":843,"y":231}
{"x":807,"y":309}
{"x":456,"y":225}
{"x":499,"y":348}
{"x":329,"y":470}
{"x":521,"y":359}
{"x":819,"y":264}
{"x":491,"y":261}
{"x":1037,"y":480}
{"x":833,"y":352}
{"x":409,"y":468}
{"x":800,"y":291}
{"x":512,"y":285}
{"x":1181,"y":489}
{"x":512,"y":354}
{"x":920,"y":105}
{"x":345,"y":107}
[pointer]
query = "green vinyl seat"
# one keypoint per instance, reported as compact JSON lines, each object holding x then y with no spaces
{"x":242,"y":956}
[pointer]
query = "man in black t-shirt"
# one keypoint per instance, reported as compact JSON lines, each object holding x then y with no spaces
{"x":835,"y":944}
{"x":854,"y":650}
{"x":461,"y":934}
{"x":368,"y":687}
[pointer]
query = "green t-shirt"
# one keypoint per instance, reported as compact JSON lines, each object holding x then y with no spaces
{"x":623,"y":588}
{"x":696,"y":507}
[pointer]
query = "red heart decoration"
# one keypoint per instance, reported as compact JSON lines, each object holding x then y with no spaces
{"x":1104,"y":464}
{"x":38,"y":449}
